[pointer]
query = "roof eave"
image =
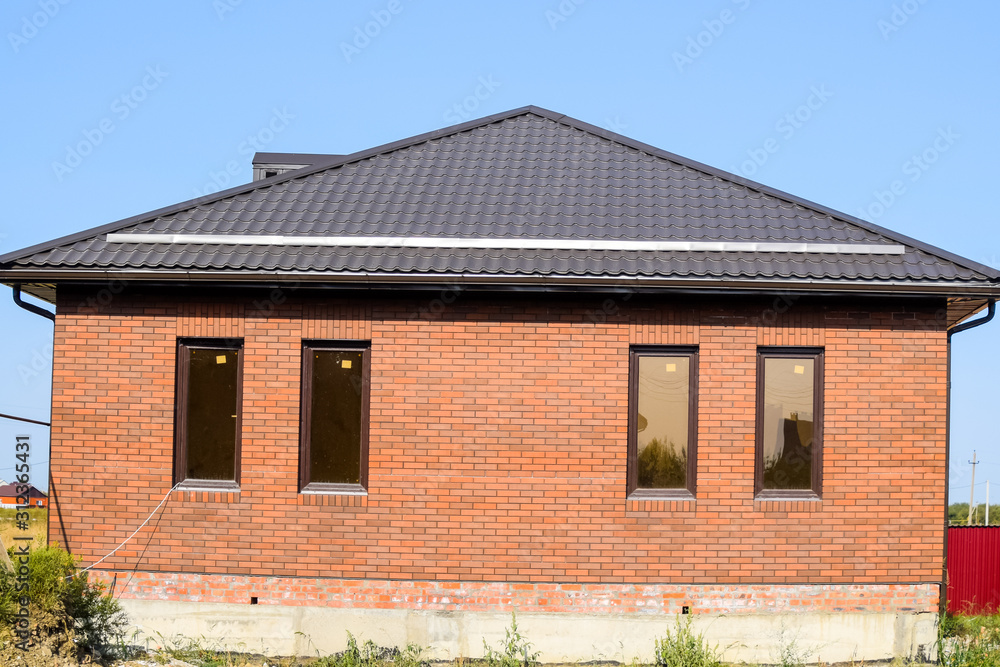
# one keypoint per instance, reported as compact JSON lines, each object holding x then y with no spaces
{"x":950,"y":289}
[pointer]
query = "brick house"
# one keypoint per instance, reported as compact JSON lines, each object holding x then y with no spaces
{"x":522,"y":363}
{"x":9,"y":497}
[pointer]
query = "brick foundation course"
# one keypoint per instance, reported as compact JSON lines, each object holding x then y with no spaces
{"x":522,"y":597}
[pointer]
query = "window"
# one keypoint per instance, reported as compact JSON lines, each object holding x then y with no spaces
{"x":789,"y":422}
{"x":209,"y":398}
{"x":663,"y":390}
{"x":334,"y":450}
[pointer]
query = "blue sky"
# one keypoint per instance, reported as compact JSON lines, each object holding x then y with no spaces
{"x":885,"y":109}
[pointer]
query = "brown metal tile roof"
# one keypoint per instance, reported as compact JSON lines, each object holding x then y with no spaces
{"x":528,"y":174}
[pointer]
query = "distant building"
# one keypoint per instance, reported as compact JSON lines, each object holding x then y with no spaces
{"x":8,"y":496}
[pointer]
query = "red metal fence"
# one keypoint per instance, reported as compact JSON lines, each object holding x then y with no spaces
{"x":973,"y":569}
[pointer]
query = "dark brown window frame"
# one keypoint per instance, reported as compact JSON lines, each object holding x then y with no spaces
{"x":632,"y":472}
{"x":305,"y":485}
{"x":815,"y":493}
{"x":184,"y":347}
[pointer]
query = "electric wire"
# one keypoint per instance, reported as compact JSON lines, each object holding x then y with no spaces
{"x":127,"y":539}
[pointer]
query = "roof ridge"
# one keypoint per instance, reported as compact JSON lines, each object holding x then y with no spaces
{"x":338,"y":161}
{"x":715,"y":172}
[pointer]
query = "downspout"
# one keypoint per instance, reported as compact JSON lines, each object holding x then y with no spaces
{"x":964,"y":326}
{"x":30,"y":307}
{"x":37,"y":310}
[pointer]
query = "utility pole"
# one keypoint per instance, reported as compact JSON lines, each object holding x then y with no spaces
{"x":987,"y":503}
{"x":972,"y":492}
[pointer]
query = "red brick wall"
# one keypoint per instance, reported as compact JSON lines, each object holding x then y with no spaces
{"x":498,"y":442}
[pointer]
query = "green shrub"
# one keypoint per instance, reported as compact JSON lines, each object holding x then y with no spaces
{"x":969,"y":641}
{"x":366,"y":656}
{"x":789,"y":652}
{"x":409,"y":657}
{"x":682,"y":647}
{"x":371,"y":655}
{"x":66,"y":609}
{"x":514,"y":651}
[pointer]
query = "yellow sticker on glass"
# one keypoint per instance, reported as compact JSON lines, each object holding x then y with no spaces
{"x":799,"y":370}
{"x":671,"y":368}
{"x":346,"y":363}
{"x":220,"y":359}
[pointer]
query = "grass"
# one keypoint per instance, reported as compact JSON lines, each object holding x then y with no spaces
{"x":37,"y":527}
{"x":201,"y":653}
{"x":970,"y":641}
{"x":683,"y":647}
{"x":69,"y":616}
{"x":371,"y":655}
{"x":680,"y":646}
{"x":965,"y":641}
{"x":790,"y":653}
{"x":513,"y":651}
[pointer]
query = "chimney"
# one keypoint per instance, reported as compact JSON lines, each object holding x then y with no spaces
{"x":266,"y":165}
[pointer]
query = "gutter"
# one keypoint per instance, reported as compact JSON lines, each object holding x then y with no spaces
{"x":368,"y":280}
{"x":30,"y":307}
{"x":964,"y":326}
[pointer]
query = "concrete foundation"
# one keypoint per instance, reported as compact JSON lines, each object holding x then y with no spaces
{"x":559,"y":636}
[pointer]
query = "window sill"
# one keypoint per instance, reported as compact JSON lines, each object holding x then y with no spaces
{"x":788,"y":495}
{"x":661,"y":494}
{"x":335,"y":489}
{"x":207,"y":485}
